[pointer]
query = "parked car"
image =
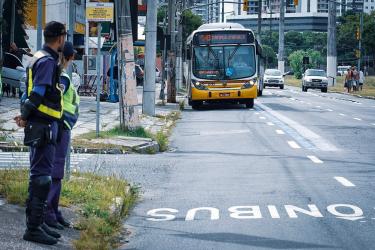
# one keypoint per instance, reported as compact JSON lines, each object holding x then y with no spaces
{"x":314,"y":79}
{"x":274,"y":78}
{"x":13,"y":73}
{"x":342,"y":70}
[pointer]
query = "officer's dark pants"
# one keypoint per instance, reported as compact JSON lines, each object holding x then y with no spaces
{"x":41,"y":163}
{"x":53,"y":213}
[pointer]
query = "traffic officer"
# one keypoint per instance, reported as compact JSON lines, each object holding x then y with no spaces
{"x":54,"y":217}
{"x":41,"y":109}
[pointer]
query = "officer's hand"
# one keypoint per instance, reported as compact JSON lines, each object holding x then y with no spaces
{"x":20,"y":123}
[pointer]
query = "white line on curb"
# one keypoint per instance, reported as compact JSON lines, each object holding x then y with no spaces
{"x":270,"y":124}
{"x":345,"y":182}
{"x":342,"y":114}
{"x":280,"y":132}
{"x":315,"y":159}
{"x":358,"y":119}
{"x":293,"y":144}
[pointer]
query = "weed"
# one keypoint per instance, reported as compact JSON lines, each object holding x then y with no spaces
{"x":182,"y":105}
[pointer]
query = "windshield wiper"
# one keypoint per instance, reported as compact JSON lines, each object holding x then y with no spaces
{"x":216,"y":61}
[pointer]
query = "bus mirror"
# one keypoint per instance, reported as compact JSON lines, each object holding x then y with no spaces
{"x":258,"y":48}
{"x":188,"y":53}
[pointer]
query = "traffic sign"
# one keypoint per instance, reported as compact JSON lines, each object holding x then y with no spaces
{"x":100,"y":12}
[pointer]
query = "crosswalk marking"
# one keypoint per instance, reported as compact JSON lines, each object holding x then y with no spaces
{"x":315,"y":159}
{"x":345,"y":182}
{"x":293,"y":144}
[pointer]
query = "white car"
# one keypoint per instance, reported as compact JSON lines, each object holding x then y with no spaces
{"x":314,"y":79}
{"x":273,"y":78}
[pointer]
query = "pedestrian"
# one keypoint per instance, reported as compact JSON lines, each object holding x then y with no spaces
{"x":348,"y":80}
{"x":54,"y":217}
{"x":361,"y":79}
{"x":41,"y":110}
{"x":355,"y":78}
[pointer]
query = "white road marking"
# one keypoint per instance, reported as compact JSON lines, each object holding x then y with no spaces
{"x":315,"y":159}
{"x":293,"y":144}
{"x":358,"y":119}
{"x":342,"y":114}
{"x":373,"y":124}
{"x":262,"y":118}
{"x":270,"y":124}
{"x":319,"y":142}
{"x":257,"y":113}
{"x":330,"y":110}
{"x":345,"y":182}
{"x":318,"y":106}
{"x":280,"y":132}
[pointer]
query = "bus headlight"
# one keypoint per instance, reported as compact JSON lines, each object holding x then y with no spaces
{"x":249,"y":84}
{"x":199,"y":85}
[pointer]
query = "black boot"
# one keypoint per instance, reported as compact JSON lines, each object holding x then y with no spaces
{"x":35,"y":207}
{"x":50,"y":232}
{"x":54,"y":224}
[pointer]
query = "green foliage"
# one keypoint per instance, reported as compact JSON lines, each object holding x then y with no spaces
{"x":296,"y":59}
{"x":269,"y":56}
{"x":117,"y":131}
{"x":190,"y":22}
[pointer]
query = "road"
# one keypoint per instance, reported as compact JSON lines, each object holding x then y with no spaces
{"x":295,"y":172}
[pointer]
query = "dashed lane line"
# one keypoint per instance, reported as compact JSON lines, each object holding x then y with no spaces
{"x":345,"y":182}
{"x":293,"y":144}
{"x":280,"y":132}
{"x":262,"y":118}
{"x":373,"y":124}
{"x":318,"y":106}
{"x":270,"y":124}
{"x":342,"y":114}
{"x":329,"y":110}
{"x":315,"y":159}
{"x":358,"y":119}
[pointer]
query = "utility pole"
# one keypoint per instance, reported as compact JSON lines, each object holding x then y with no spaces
{"x":179,"y":68}
{"x":39,"y":25}
{"x":13,"y":20}
{"x":164,"y":75}
{"x":171,"y":89}
{"x":331,"y":43}
{"x":360,"y":39}
{"x":281,"y":38}
{"x":148,"y":105}
{"x":239,"y":7}
{"x":222,"y":11}
{"x":259,"y":31}
{"x":1,"y":34}
{"x":128,"y":110}
{"x":71,"y":22}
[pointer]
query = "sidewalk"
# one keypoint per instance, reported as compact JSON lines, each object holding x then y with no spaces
{"x":13,"y":226}
{"x":12,"y":136}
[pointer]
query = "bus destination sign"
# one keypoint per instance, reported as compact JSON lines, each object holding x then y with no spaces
{"x":209,"y":38}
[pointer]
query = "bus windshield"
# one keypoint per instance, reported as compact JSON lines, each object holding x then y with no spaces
{"x":224,"y":62}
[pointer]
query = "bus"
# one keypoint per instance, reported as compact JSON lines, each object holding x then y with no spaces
{"x":222,"y":65}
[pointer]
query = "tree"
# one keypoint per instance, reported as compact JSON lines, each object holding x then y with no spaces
{"x":190,"y":22}
{"x":269,"y":55}
{"x":296,"y":59}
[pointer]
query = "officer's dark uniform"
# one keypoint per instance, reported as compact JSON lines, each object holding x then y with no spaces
{"x":42,"y":110}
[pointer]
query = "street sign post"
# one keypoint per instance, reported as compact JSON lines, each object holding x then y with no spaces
{"x":99,"y":12}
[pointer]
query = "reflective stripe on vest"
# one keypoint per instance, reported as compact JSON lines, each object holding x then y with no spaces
{"x":57,"y":114}
{"x":71,"y":100}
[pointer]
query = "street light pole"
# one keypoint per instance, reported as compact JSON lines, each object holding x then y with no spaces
{"x":222,"y":11}
{"x":331,"y":43}
{"x":360,"y":39}
{"x":148,"y":104}
{"x":171,"y":89}
{"x":12,"y":22}
{"x":281,"y":37}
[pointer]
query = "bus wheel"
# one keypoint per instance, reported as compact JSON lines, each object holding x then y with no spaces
{"x":196,"y":105}
{"x":250,"y":103}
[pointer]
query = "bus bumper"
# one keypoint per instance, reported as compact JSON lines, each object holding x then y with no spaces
{"x":230,"y":94}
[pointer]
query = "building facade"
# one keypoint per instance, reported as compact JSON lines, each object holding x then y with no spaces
{"x":208,"y":10}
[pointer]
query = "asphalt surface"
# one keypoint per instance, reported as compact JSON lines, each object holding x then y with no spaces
{"x":295,"y":172}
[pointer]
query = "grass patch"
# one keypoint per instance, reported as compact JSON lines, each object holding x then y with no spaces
{"x":92,"y":195}
{"x":368,"y":87}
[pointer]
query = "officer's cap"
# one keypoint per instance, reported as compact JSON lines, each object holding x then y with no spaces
{"x":54,"y":29}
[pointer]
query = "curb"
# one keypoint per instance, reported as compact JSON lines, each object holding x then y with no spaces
{"x":146,"y":148}
{"x":355,"y":95}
